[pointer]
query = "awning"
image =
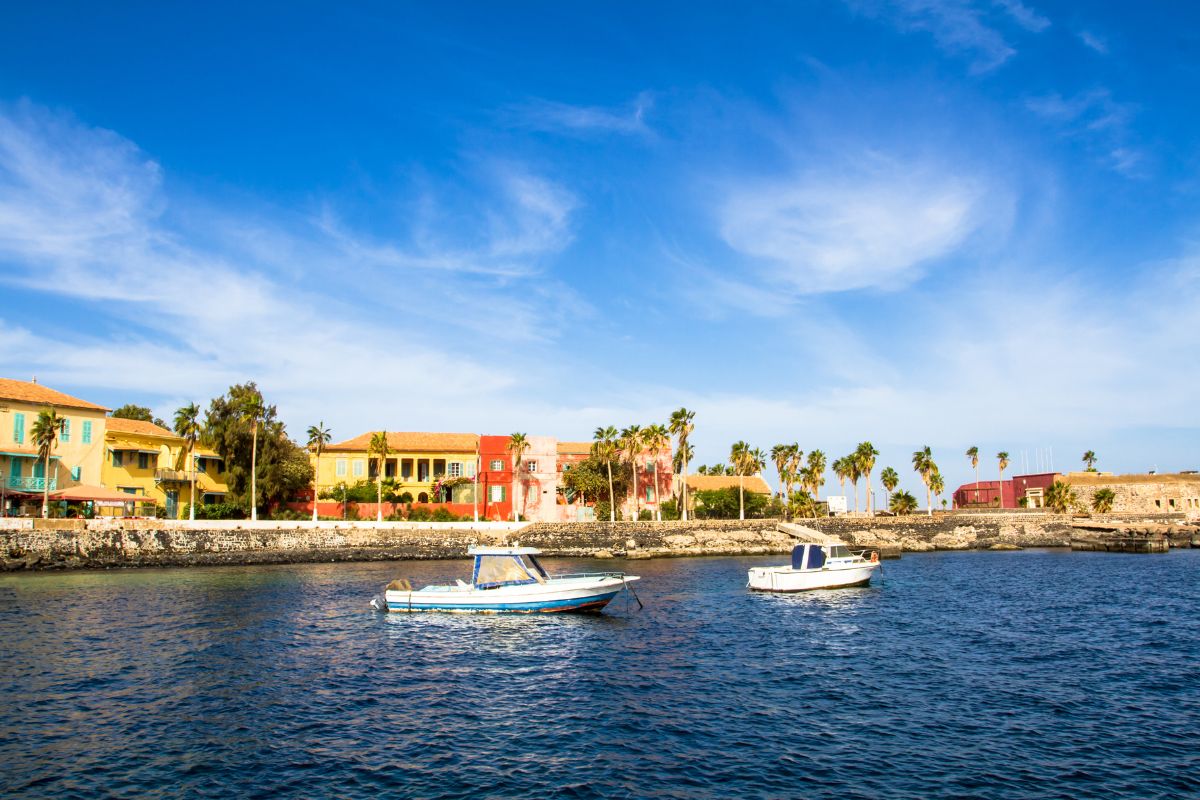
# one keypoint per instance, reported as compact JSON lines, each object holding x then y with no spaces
{"x":99,"y":494}
{"x":120,"y":448}
{"x":20,"y":454}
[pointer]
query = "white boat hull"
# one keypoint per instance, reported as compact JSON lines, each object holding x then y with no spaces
{"x":589,"y":593}
{"x":833,"y":576}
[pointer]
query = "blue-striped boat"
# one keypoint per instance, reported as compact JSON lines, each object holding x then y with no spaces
{"x":508,"y":580}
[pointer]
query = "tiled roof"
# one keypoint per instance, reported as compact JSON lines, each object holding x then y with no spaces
{"x":575,"y":448}
{"x":706,"y":483}
{"x":26,"y":392}
{"x":136,"y":426}
{"x":410,"y":442}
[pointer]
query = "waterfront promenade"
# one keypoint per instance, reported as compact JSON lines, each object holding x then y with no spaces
{"x":104,"y":543}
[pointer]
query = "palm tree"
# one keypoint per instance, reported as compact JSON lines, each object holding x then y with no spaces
{"x":1061,"y":497}
{"x":379,"y":447}
{"x":937,"y":484}
{"x":1002,"y":457}
{"x":604,"y":447}
{"x":865,"y":456}
{"x":632,"y":443}
{"x":46,"y":430}
{"x":681,"y":425}
{"x":518,"y":443}
{"x":739,"y":457}
{"x":816,"y":472}
{"x":1102,"y":500}
{"x":842,"y":470}
{"x":794,"y":463}
{"x":1089,"y":458}
{"x":779,"y":456}
{"x":253,"y":412}
{"x":973,"y":454}
{"x":853,"y":472}
{"x":922,"y":461}
{"x":187,"y":426}
{"x":890,"y":480}
{"x":657,"y":439}
{"x":318,"y":437}
{"x":902,"y":503}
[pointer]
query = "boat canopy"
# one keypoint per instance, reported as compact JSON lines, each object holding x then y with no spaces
{"x":808,"y":556}
{"x":506,"y":569}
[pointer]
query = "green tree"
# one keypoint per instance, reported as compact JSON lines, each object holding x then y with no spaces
{"x":681,"y":425}
{"x":890,"y":480}
{"x":779,"y":457}
{"x":46,"y":430}
{"x":632,"y":444}
{"x":658,"y":441}
{"x":729,"y":504}
{"x":605,"y":449}
{"x":518,"y":443}
{"x":865,"y":455}
{"x":1060,"y":497}
{"x":254,"y":411}
{"x":188,"y":428}
{"x":1089,"y":459}
{"x":903,"y":503}
{"x":1103,"y":499}
{"x":923,"y":465}
{"x":973,"y":454}
{"x":141,"y":413}
{"x":378,"y":446}
{"x":937,"y":485}
{"x":1002,"y":459}
{"x":841,"y":471}
{"x":816,"y":472}
{"x":318,"y":437}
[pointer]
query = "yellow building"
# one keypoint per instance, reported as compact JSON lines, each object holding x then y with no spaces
{"x":76,"y":458}
{"x":416,"y":461}
{"x":145,"y":460}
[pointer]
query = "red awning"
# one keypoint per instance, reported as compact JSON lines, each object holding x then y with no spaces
{"x":99,"y":494}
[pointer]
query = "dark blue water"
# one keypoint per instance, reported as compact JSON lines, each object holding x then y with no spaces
{"x":1030,"y":674}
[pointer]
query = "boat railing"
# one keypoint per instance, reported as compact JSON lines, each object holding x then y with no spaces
{"x":587,"y":575}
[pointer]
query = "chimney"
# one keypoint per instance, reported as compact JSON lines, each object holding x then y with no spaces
{"x":35,"y":378}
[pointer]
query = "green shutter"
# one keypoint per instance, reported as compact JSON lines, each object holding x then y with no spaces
{"x":87,"y":431}
{"x":18,"y":428}
{"x":76,"y":472}
{"x":66,"y":431}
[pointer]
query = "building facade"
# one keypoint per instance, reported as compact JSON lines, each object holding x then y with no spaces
{"x":426,"y":466}
{"x":145,"y":460}
{"x":1147,"y":493}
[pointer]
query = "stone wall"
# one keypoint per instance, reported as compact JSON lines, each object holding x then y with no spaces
{"x":41,"y":544}
{"x":1144,"y":494}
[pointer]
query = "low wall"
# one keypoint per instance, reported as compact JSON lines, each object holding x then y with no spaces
{"x":102,"y":543}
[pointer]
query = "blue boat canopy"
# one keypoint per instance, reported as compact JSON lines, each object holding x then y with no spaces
{"x":808,"y":556}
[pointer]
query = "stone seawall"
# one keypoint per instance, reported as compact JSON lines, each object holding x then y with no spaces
{"x":67,"y":544}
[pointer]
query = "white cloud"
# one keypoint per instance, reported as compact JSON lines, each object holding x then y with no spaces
{"x":545,"y":115}
{"x":1025,"y":16}
{"x":870,"y":228}
{"x":958,"y":26}
{"x":1094,"y":41}
{"x":1096,"y":117}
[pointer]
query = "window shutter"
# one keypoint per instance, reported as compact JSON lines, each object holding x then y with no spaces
{"x":87,"y":431}
{"x":19,"y":428}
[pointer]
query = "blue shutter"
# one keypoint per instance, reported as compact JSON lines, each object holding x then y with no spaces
{"x":87,"y":431}
{"x":66,"y":431}
{"x":19,"y":428}
{"x":15,"y":470}
{"x":76,"y":472}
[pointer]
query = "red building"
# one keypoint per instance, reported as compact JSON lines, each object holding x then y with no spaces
{"x":985,"y":494}
{"x":495,"y":478}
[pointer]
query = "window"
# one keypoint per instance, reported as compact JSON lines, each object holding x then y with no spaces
{"x":39,"y":469}
{"x":359,"y":467}
{"x":455,"y":469}
{"x":65,"y":436}
{"x":202,"y":464}
{"x":340,"y":468}
{"x":116,"y":458}
{"x":531,"y":466}
{"x":496,"y":494}
{"x":87,"y":431}
{"x":76,"y":473}
{"x":143,"y":460}
{"x":470,"y":469}
{"x":15,"y":469}
{"x":649,"y":494}
{"x":566,"y":467}
{"x":1158,"y":503}
{"x":18,"y":428}
{"x":1171,"y":502}
{"x":496,"y":466}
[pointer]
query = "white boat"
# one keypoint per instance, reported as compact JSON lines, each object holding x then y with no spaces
{"x":510,"y":580}
{"x":817,"y":566}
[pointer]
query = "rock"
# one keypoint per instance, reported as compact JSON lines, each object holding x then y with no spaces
{"x":602,"y":554}
{"x":1005,"y":546}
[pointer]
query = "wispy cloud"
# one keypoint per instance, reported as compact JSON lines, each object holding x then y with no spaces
{"x":872,"y":227}
{"x":1025,"y":16}
{"x":1096,"y":117}
{"x":1094,"y":41}
{"x":545,"y":115}
{"x":308,"y":311}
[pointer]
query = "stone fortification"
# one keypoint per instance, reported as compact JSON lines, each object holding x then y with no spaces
{"x":57,"y":544}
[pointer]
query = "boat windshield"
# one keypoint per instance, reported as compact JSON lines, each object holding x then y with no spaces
{"x":839,"y":551}
{"x":503,"y":570}
{"x":536,"y":568}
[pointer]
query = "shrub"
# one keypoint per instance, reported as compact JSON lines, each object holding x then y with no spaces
{"x":444,"y":515}
{"x":602,"y":511}
{"x":406,"y":497}
{"x":1103,"y":499}
{"x":670,"y":508}
{"x":419,"y":514}
{"x":645,"y":515}
{"x":219,"y":511}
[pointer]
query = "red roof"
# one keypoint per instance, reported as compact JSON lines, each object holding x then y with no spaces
{"x":36,"y":394}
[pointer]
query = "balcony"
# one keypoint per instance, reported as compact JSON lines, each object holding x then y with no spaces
{"x":171,"y":476}
{"x":30,"y":484}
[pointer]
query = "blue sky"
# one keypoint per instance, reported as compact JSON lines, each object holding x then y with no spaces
{"x":942,"y":222}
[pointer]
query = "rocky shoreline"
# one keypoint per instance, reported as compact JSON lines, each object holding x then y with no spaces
{"x":106,"y":544}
